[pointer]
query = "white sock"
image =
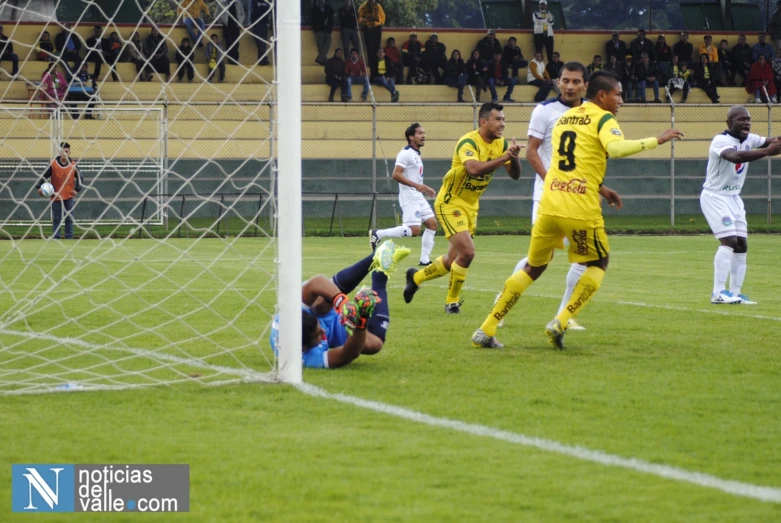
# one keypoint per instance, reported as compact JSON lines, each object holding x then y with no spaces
{"x":576,"y":270}
{"x":721,"y":265}
{"x":520,"y":265}
{"x":402,"y":231}
{"x":737,"y":272}
{"x":427,"y":244}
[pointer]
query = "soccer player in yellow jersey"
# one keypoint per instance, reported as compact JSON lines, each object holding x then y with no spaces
{"x":477,"y":155}
{"x":570,"y":207}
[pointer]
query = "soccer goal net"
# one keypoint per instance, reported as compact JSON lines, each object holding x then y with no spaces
{"x":163,"y":268}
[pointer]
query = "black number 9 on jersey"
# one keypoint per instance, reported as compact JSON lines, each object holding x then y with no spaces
{"x":567,"y":149}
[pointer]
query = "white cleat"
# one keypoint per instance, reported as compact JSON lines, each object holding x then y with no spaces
{"x":573,"y":325}
{"x":725,"y":297}
{"x":745,"y":301}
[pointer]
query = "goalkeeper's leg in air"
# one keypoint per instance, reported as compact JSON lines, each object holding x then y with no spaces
{"x":336,"y":330}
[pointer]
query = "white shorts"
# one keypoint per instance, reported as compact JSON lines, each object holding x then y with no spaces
{"x":415,"y":210}
{"x":725,"y":214}
{"x":535,"y":210}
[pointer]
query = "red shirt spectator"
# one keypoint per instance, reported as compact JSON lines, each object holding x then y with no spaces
{"x":355,"y":66}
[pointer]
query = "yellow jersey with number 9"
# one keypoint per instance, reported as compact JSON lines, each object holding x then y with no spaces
{"x":459,"y":187}
{"x":579,"y":141}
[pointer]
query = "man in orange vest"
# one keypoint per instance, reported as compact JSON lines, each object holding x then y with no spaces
{"x":66,"y":180}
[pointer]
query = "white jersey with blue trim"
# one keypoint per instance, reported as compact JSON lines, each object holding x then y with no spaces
{"x":541,"y":123}
{"x":409,"y":160}
{"x":722,"y":176}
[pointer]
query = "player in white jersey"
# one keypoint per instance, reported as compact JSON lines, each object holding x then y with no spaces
{"x":415,"y":210}
{"x":572,"y":80}
{"x":721,"y":203}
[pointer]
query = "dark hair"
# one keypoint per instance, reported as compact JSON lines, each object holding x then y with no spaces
{"x":487,"y":107}
{"x":515,"y":40}
{"x":337,"y":50}
{"x":459,"y":52}
{"x":741,"y":36}
{"x":410,"y":131}
{"x":185,"y":39}
{"x":309,"y":326}
{"x":598,"y":56}
{"x":65,"y":145}
{"x":601,"y":81}
{"x":577,"y":67}
{"x":389,"y":39}
{"x":354,"y":50}
{"x":643,"y":55}
{"x":726,"y":42}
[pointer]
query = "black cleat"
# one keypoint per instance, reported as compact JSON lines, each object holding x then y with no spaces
{"x":454,"y":308}
{"x":411,"y":287}
{"x":374,"y":240}
{"x":421,"y":264}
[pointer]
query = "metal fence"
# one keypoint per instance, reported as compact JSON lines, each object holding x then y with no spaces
{"x":349,"y":152}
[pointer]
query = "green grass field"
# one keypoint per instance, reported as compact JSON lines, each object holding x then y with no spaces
{"x":659,"y":375}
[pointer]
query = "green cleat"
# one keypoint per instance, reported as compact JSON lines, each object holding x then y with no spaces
{"x":555,"y":334}
{"x":387,"y":257}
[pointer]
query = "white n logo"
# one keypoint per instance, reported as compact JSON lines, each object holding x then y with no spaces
{"x":35,"y":481}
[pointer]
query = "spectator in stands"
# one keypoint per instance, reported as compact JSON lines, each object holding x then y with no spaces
{"x":713,"y":57}
{"x":136,"y":52}
{"x":68,"y":44}
{"x":371,"y":17}
{"x":704,"y":78}
{"x":489,"y":46}
{"x":628,"y":78}
{"x":355,"y":72}
{"x":543,"y":29}
{"x":554,"y":67}
{"x":741,"y":58}
{"x":348,"y":25}
{"x":615,"y":47}
{"x":683,"y":49}
{"x":232,"y":20}
{"x":393,"y":53}
{"x":184,"y":60}
{"x":97,"y":53}
{"x":775,"y":25}
{"x":334,"y":74}
{"x":641,"y":45}
{"x":411,"y":55}
{"x":679,"y":79}
{"x":476,"y":71}
{"x":776,"y":65}
{"x":612,"y":65}
{"x":384,"y":74}
{"x":727,"y":65}
{"x":191,"y":11}
{"x":435,"y":55}
{"x":663,"y":56}
{"x":647,"y":75}
{"x":216,"y":55}
{"x":513,"y":56}
{"x":114,"y":50}
{"x":259,"y":11}
{"x":762,"y":48}
{"x":595,"y":65}
{"x":538,"y":76}
{"x":82,"y":89}
{"x":498,"y":74}
{"x":761,"y":75}
{"x":45,"y":48}
{"x":322,"y":25}
{"x":156,"y":51}
{"x":53,"y":85}
{"x":455,"y":73}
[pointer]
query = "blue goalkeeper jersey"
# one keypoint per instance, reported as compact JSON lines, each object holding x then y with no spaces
{"x":317,"y":357}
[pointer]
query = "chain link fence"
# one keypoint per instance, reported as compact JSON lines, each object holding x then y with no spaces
{"x":349,"y":153}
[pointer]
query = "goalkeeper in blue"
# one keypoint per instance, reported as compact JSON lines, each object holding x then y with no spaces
{"x":336,"y":329}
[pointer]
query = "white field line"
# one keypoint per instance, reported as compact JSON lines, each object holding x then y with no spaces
{"x":245,"y":373}
{"x":737,"y":488}
{"x":717,"y":309}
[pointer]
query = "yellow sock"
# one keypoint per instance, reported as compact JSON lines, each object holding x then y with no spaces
{"x":587,"y":286}
{"x":457,"y":277}
{"x":435,"y":270}
{"x":513,"y":288}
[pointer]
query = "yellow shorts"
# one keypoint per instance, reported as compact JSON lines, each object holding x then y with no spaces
{"x":455,"y":218}
{"x":587,"y":239}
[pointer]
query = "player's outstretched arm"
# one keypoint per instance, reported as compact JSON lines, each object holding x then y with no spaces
{"x":320,"y":287}
{"x":731,"y":155}
{"x":624,"y":148}
{"x":352,"y":348}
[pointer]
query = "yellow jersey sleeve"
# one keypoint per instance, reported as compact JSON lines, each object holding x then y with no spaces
{"x":467,"y":150}
{"x":608,"y":130}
